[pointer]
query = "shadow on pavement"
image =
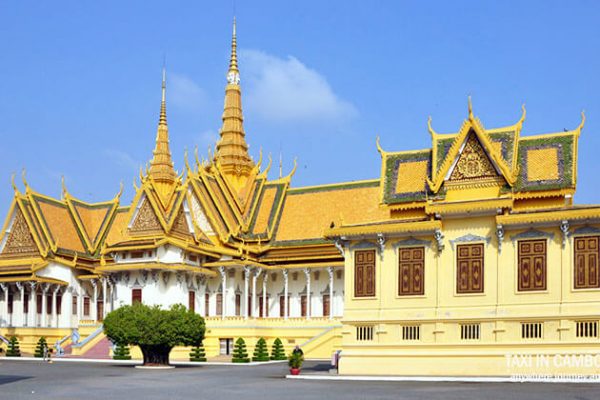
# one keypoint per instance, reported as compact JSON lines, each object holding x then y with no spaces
{"x":4,"y":379}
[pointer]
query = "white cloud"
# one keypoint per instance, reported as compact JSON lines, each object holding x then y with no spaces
{"x":184,"y":93}
{"x":122,"y":159}
{"x":284,"y":89}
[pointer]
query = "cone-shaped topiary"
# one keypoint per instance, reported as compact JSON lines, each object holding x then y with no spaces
{"x":121,"y":352}
{"x":198,"y":354}
{"x":277,"y":351}
{"x":13,"y":349}
{"x":240,"y":355}
{"x":39,"y":349}
{"x":261,"y":353}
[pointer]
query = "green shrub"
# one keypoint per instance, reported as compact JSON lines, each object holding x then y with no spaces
{"x":39,"y":349}
{"x":13,"y":349}
{"x":295,"y":360}
{"x":240,"y":355}
{"x":154,"y":330}
{"x":198,"y":354}
{"x":261,"y":353}
{"x":121,"y":352}
{"x":277,"y":351}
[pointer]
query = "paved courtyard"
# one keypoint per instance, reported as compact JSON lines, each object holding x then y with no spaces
{"x":38,"y":380}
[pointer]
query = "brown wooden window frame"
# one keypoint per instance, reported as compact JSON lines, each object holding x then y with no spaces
{"x":238,"y":304}
{"x":136,"y":295}
{"x":362,"y":275}
{"x":86,"y":306}
{"x":587,"y":256}
{"x":470,"y":261}
{"x":282,"y":305}
{"x":326,"y":305}
{"x":527,"y":257}
{"x":192,"y":301}
{"x":412,"y":267}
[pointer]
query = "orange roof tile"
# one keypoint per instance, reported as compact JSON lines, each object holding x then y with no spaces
{"x":307,"y":213}
{"x":61,"y":225}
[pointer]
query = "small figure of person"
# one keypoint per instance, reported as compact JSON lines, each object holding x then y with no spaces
{"x":298,"y":350}
{"x":45,"y":353}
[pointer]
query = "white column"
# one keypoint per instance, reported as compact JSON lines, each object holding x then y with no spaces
{"x":44,"y":319}
{"x":104,"y":285}
{"x":95,"y":302}
{"x":254,"y":278}
{"x":4,"y":315}
{"x":80,"y":304}
{"x":111,"y":296}
{"x":330,"y":271}
{"x":54,"y":319}
{"x":223,"y":272}
{"x":246,"y":279}
{"x":19,"y":307}
{"x":308,"y":302}
{"x":285,"y":294}
{"x":264,"y":289}
{"x":32,"y":315}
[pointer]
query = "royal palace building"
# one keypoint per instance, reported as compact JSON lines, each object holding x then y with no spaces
{"x":457,"y":260}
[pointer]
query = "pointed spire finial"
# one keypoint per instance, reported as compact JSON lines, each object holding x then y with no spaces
{"x":233,"y":75}
{"x":163,"y":103}
{"x":161,"y":165}
{"x":470,"y":109}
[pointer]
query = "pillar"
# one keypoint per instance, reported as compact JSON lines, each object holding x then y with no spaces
{"x":44,"y":318}
{"x":32,"y":315}
{"x":104,"y":285}
{"x":245,"y":302}
{"x":4,"y":314}
{"x":95,"y":302}
{"x":285,"y":294}
{"x":308,"y":302}
{"x":54,"y":319}
{"x":19,"y":307}
{"x":80,"y":305}
{"x":254,"y":278}
{"x":223,"y":272}
{"x":330,"y":271}
{"x":264,"y":290}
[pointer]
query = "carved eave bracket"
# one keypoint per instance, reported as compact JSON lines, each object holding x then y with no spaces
{"x":564,"y":228}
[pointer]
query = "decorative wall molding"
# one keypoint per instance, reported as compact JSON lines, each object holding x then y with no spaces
{"x":470,"y":238}
{"x":411,"y":242}
{"x":586,"y":230}
{"x":364,"y":244}
{"x":532,"y":234}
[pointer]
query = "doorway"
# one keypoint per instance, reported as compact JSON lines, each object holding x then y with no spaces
{"x":225,"y":346}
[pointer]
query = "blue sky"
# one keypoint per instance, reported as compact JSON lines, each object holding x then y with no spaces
{"x":80,"y":80}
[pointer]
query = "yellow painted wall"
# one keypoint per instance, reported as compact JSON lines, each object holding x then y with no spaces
{"x":499,"y":310}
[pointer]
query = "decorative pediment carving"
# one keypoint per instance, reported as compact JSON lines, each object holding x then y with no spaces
{"x":19,"y":239}
{"x":146,"y":220}
{"x":473,"y":162}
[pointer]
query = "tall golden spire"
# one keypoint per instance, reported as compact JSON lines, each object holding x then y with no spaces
{"x":232,"y":149}
{"x":161,"y":165}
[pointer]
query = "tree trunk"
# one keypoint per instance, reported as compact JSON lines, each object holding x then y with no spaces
{"x":156,"y":355}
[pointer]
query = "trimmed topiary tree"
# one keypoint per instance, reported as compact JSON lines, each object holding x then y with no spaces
{"x":277,"y":351}
{"x":198,"y":354}
{"x":39,"y":349}
{"x":121,"y":352}
{"x":154,"y":330}
{"x":13,"y":349}
{"x":261,"y":353}
{"x":240,"y":355}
